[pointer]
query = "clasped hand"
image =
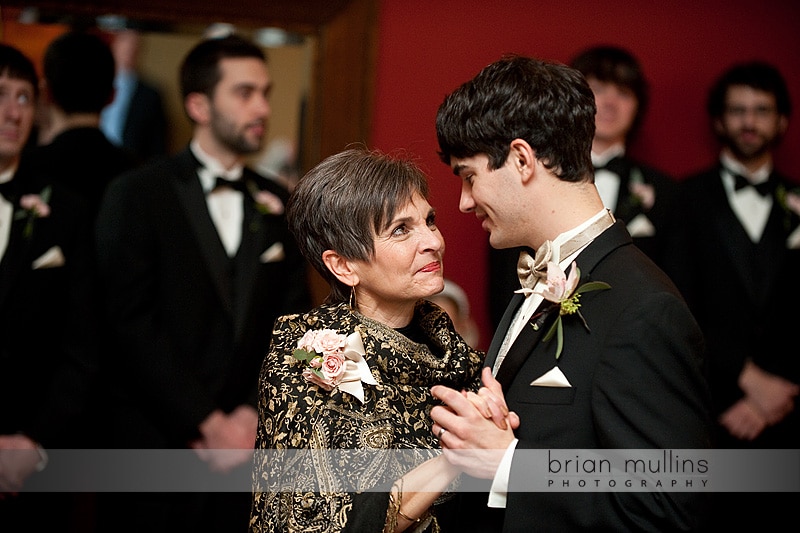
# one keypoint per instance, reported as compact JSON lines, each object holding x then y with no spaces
{"x":478,"y":427}
{"x":227,"y":439}
{"x":768,"y":399}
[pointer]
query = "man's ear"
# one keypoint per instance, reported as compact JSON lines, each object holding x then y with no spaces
{"x":340,"y":267}
{"x":198,"y":107}
{"x":783,"y":123}
{"x":523,"y":158}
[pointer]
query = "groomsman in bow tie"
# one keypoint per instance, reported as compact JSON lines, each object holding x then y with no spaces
{"x":637,"y":194}
{"x":195,"y":271}
{"x":622,"y":370}
{"x":47,"y":358}
{"x":736,"y":259}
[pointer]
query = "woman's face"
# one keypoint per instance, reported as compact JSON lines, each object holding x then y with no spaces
{"x":407,"y":264}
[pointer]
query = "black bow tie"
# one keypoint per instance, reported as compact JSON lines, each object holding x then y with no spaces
{"x":763,"y":188}
{"x":615,"y":165}
{"x":237,"y":185}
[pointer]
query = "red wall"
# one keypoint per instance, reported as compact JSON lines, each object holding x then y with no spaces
{"x":427,"y":48}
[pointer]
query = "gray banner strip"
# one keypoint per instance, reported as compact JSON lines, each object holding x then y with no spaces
{"x":554,"y":470}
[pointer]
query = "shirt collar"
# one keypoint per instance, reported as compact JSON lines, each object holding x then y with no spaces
{"x":734,"y":167}
{"x":212,"y":168}
{"x":567,"y":235}
{"x":601,"y":159}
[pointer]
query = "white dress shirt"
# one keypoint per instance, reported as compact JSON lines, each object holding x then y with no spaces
{"x":750,"y":207}
{"x":607,"y":182}
{"x":224,"y":205}
{"x":6,"y":212}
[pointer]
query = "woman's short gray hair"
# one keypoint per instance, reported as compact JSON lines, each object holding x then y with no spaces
{"x":345,"y":201}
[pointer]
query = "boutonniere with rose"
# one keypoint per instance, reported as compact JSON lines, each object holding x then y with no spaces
{"x":789,"y":200}
{"x":33,"y":206}
{"x":332,"y":360}
{"x":563,"y":293}
{"x":267,"y":203}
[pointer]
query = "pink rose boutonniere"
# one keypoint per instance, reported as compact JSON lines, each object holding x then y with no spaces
{"x":333,"y":360}
{"x":563,"y":292}
{"x":266,"y":202}
{"x":33,"y":206}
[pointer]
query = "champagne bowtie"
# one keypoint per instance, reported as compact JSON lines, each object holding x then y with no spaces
{"x":530,"y":269}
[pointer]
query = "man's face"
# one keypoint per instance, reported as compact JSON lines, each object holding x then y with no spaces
{"x":750,"y":125}
{"x":491,"y":196}
{"x":17,"y":110}
{"x":240,"y":108}
{"x":616,"y":110}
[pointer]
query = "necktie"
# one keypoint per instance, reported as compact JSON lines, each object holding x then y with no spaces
{"x":764,"y":188}
{"x":237,"y":185}
{"x":530,"y":269}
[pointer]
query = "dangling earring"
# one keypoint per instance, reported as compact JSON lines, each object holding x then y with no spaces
{"x":353,"y":302}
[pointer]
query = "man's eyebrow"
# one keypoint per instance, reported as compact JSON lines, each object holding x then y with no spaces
{"x":458,"y":169}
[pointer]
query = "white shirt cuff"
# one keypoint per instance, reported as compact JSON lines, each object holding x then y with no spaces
{"x":497,"y":496}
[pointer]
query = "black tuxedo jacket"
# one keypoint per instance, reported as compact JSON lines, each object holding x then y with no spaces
{"x":743,"y":294}
{"x":190,"y":325}
{"x":47,"y":357}
{"x":81,"y":159}
{"x":636,"y":382}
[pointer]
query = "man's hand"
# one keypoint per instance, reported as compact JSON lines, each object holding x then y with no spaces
{"x":771,"y":394}
{"x":743,"y":420}
{"x":227,"y":440}
{"x":469,"y":439}
{"x":19,"y":458}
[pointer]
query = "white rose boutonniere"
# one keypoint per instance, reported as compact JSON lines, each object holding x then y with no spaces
{"x":564,"y":294}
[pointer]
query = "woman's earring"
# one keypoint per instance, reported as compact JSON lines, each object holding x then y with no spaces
{"x":353,"y":302}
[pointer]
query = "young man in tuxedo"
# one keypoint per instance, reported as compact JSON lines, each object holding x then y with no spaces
{"x":197,"y":261}
{"x":640,"y":195}
{"x":629,"y":375}
{"x":47,"y":358}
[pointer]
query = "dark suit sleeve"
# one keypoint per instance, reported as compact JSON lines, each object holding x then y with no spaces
{"x":67,"y":394}
{"x":647,"y":392}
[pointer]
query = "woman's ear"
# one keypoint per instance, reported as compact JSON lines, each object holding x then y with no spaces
{"x":340,"y":267}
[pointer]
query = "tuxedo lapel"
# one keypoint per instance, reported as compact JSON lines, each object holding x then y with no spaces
{"x":523,"y":347}
{"x":247,"y":257}
{"x":13,"y":261}
{"x":193,"y":202}
{"x":505,"y":323}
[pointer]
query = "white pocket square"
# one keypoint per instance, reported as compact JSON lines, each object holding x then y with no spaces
{"x":273,"y":253}
{"x":641,"y":226}
{"x":552,"y":378}
{"x":52,"y":258}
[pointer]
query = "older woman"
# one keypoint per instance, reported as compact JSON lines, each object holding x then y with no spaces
{"x":354,"y":374}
